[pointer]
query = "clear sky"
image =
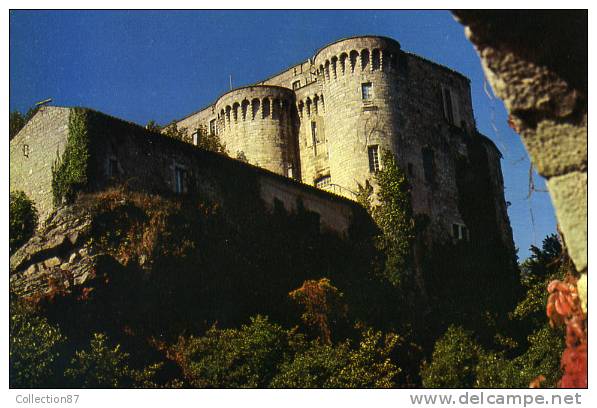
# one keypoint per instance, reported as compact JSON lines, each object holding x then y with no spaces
{"x":162,"y":65}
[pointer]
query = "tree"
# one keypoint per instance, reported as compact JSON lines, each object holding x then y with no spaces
{"x":319,"y":365}
{"x":152,"y":126}
{"x":23,"y":219}
{"x":394,"y":217}
{"x":104,"y":366}
{"x":232,"y":358}
{"x":323,"y":305}
{"x":34,"y":348}
{"x":453,"y":362}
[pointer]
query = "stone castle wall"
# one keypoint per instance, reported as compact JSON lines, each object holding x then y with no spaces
{"x":124,"y":153}
{"x":34,"y":150}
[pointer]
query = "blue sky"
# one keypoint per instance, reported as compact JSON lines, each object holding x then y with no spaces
{"x":162,"y":65}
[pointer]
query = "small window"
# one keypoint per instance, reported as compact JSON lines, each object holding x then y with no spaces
{"x":26,"y":150}
{"x":289,"y":171}
{"x":112,"y":167}
{"x":196,"y":137}
{"x":212,"y":126}
{"x":296,"y":84}
{"x":323,"y":182}
{"x":447,"y":105}
{"x":411,"y":170}
{"x":314,"y":137}
{"x":373,"y":152}
{"x":179,"y":178}
{"x":367,"y":91}
{"x":429,"y":165}
{"x":460,"y":232}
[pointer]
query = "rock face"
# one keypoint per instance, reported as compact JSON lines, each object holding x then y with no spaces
{"x":59,"y":256}
{"x":536,"y":62}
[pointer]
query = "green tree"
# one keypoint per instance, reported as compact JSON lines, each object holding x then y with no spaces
{"x":233,"y":358}
{"x":393,"y":215}
{"x":104,"y":366}
{"x":23,"y":220}
{"x":34,"y":346}
{"x":152,"y":126}
{"x":319,"y":365}
{"x":455,"y":356}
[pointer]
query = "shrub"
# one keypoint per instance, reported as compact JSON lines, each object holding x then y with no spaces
{"x":34,"y":348}
{"x":232,"y":358}
{"x":320,"y":365}
{"x":453,"y":362}
{"x":23,"y":219}
{"x":103,"y":366}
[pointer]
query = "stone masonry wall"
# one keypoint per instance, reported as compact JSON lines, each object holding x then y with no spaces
{"x":33,"y":152}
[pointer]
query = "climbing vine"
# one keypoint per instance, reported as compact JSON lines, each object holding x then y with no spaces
{"x":70,"y":172}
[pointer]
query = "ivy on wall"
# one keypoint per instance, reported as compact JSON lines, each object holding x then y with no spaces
{"x":70,"y":172}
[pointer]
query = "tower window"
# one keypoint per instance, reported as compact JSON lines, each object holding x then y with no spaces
{"x":373,"y":152}
{"x":367,"y":91}
{"x":447,"y":105}
{"x":296,"y":84}
{"x":429,"y":165}
{"x":179,"y":176}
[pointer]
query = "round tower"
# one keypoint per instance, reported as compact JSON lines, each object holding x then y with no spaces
{"x":358,"y":78}
{"x":256,"y":124}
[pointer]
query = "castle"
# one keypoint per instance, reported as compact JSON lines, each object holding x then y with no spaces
{"x":325,"y":122}
{"x":319,"y":126}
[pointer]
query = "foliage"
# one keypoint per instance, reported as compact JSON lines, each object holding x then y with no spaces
{"x":233,"y":358}
{"x":17,"y":120}
{"x":34,"y":348}
{"x":453,"y":362}
{"x":394,"y":217}
{"x":70,"y":172}
{"x":103,"y":366}
{"x":543,"y":266}
{"x":320,"y":365}
{"x":213,"y":143}
{"x":323,"y":305}
{"x":172,"y":130}
{"x":23,"y":219}
{"x":152,"y":126}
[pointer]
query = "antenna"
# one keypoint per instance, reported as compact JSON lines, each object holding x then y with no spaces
{"x":44,"y":102}
{"x":230,"y":77}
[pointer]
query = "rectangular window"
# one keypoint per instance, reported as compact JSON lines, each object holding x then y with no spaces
{"x":112,"y":167}
{"x":373,"y":152}
{"x":296,"y":84}
{"x":411,"y":171}
{"x":196,"y":137}
{"x":26,"y":150}
{"x":314,"y":139}
{"x":179,"y":176}
{"x":367,"y":91}
{"x":323,"y":182}
{"x":212,"y":127}
{"x":429,"y":165}
{"x":447,"y":105}
{"x":460,"y":232}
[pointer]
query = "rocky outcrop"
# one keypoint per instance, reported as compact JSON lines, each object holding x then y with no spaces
{"x":59,"y":256}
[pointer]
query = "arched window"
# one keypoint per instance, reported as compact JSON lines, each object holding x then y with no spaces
{"x":265,"y":111}
{"x":244,"y":106}
{"x":235,"y":107}
{"x":375,"y":59}
{"x":276,"y":109}
{"x":308,"y":106}
{"x":343,"y":58}
{"x":353,"y":60}
{"x":228,"y":109}
{"x":327,"y":70}
{"x":334,"y":66}
{"x":254,"y":108}
{"x":364,"y":59}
